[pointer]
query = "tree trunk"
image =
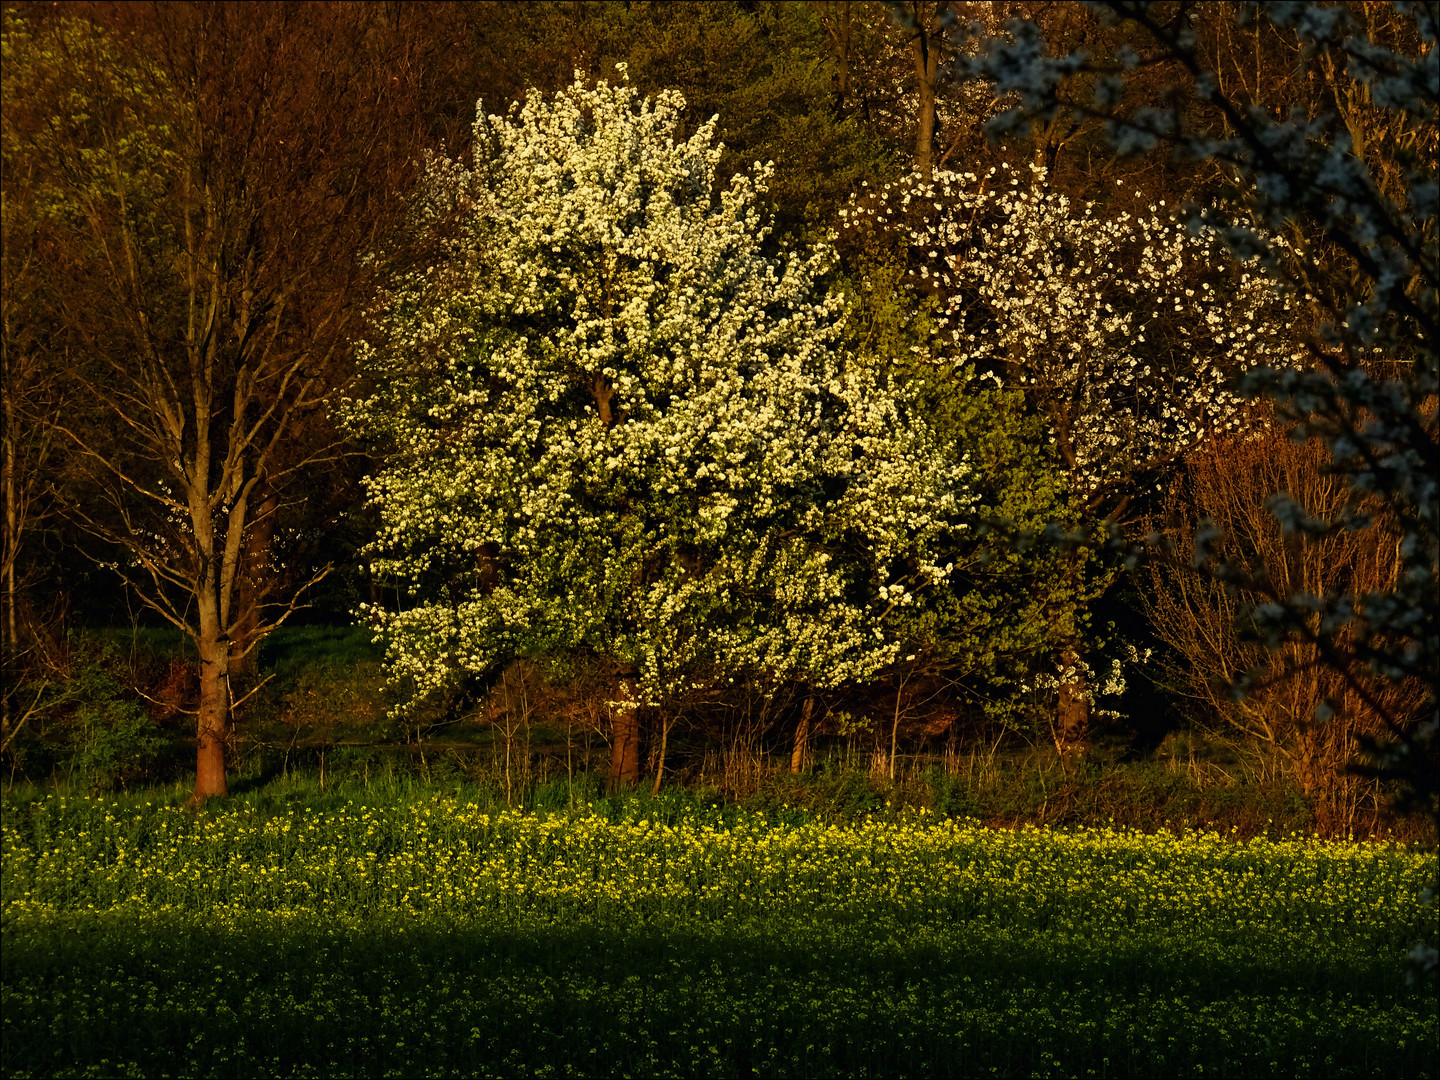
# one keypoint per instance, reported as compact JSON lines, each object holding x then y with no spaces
{"x":625,"y":733}
{"x":250,"y":591}
{"x":666,"y":723}
{"x":1072,"y":710}
{"x":8,"y":647}
{"x":925,"y":48}
{"x":1072,"y":706}
{"x":799,"y":757}
{"x":12,"y":519}
{"x":840,"y":36}
{"x":214,"y":722}
{"x":895,"y":726}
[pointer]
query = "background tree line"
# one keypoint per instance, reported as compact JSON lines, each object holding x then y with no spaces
{"x":201,"y":203}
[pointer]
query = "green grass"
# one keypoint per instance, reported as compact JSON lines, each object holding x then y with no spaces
{"x":290,"y":648}
{"x":431,"y":936}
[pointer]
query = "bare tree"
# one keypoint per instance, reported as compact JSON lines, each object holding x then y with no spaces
{"x":30,"y":391}
{"x":1228,"y":481}
{"x":219,"y":172}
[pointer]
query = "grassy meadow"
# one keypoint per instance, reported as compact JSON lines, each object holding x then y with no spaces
{"x":430,"y":935}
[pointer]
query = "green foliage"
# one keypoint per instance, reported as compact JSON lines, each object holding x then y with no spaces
{"x":288,"y":650}
{"x":993,"y":622}
{"x":766,"y":73}
{"x":112,"y":738}
{"x":88,"y":725}
{"x":81,"y":88}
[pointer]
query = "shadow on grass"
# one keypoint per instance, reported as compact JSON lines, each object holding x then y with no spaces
{"x":287,"y":995}
{"x":292,"y":647}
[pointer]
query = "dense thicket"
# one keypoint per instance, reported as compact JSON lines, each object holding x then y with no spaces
{"x":207,"y":208}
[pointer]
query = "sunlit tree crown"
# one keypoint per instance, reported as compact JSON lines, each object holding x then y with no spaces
{"x":612,"y":422}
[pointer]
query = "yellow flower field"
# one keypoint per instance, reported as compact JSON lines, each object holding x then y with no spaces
{"x":817,"y":946}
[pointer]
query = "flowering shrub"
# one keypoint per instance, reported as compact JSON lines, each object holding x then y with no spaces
{"x":1122,"y":333}
{"x":609,"y":421}
{"x":1122,"y":330}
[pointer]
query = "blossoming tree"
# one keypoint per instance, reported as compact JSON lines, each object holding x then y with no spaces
{"x":1122,"y":332}
{"x":610,"y":423}
{"x":1356,"y":177}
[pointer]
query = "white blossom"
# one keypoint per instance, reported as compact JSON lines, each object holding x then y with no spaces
{"x":1094,"y":315}
{"x":610,"y":423}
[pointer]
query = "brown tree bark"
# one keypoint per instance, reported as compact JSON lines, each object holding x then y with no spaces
{"x":32,"y":353}
{"x":1072,"y":705}
{"x":214,"y":721}
{"x":12,"y":518}
{"x":800,"y":755}
{"x":836,"y":18}
{"x":667,"y":720}
{"x":895,"y":725}
{"x":925,"y":50}
{"x":1072,"y":710}
{"x":9,"y":549}
{"x":253,"y":585}
{"x":625,"y":732}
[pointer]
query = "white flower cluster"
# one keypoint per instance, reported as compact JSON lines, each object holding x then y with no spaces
{"x":1123,"y":330}
{"x":609,"y":422}
{"x":1083,"y":679}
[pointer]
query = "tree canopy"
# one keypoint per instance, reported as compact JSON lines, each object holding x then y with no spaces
{"x":610,"y":421}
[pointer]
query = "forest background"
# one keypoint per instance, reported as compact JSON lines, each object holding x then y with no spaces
{"x":202,"y":205}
